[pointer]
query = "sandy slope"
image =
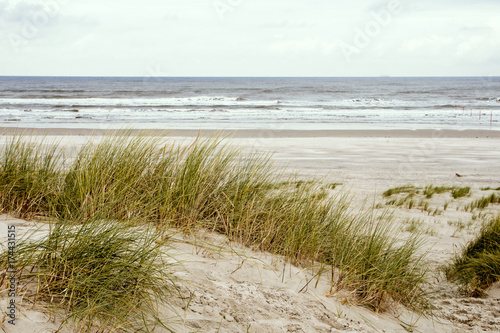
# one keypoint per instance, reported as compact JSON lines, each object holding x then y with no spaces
{"x":228,"y":288}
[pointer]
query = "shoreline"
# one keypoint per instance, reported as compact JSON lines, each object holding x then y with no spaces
{"x":261,"y":133}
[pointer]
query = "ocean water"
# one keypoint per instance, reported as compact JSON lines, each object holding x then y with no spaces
{"x":251,"y":103}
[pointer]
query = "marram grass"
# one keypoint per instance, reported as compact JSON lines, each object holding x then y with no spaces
{"x":29,"y":174}
{"x":477,"y":266}
{"x":103,"y":274}
{"x":210,"y":185}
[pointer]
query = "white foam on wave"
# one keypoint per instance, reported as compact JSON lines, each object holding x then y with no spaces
{"x":174,"y":101}
{"x":350,"y":103}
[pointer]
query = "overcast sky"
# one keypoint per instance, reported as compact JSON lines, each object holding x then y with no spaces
{"x":250,"y":37}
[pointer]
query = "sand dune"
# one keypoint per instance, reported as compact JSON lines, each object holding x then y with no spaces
{"x":236,"y":289}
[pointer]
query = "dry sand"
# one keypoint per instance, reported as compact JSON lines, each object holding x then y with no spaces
{"x":236,"y":289}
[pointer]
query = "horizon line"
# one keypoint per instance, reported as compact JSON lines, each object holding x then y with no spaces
{"x":211,"y":76}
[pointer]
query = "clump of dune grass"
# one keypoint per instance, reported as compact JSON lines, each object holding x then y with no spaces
{"x":103,"y":276}
{"x":108,"y":177}
{"x":401,"y":189}
{"x":477,"y":266}
{"x":430,"y":190}
{"x":155,"y":181}
{"x":488,"y":188}
{"x":483,"y":202}
{"x":29,"y":174}
{"x":458,"y":192}
{"x":209,"y":185}
{"x":375,"y":263}
{"x":303,"y":225}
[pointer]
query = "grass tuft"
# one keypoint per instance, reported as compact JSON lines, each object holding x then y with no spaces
{"x":402,"y":189}
{"x":29,"y":175}
{"x":377,"y":264}
{"x":430,"y":190}
{"x":490,"y":188}
{"x":458,"y":192}
{"x":483,"y":202}
{"x":477,"y":266}
{"x":104,"y":274}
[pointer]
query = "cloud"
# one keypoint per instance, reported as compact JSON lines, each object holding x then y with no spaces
{"x":282,"y":37}
{"x":17,"y":12}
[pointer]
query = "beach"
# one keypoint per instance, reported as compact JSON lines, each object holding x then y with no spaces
{"x":245,"y":166}
{"x":236,"y":288}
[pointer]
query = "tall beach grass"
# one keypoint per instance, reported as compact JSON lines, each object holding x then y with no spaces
{"x":103,"y":275}
{"x":29,"y":176}
{"x":477,"y":266}
{"x":124,"y":179}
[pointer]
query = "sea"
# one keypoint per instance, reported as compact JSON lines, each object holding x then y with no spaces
{"x":251,"y":102}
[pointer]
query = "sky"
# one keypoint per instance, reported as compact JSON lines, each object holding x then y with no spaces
{"x":250,"y":37}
